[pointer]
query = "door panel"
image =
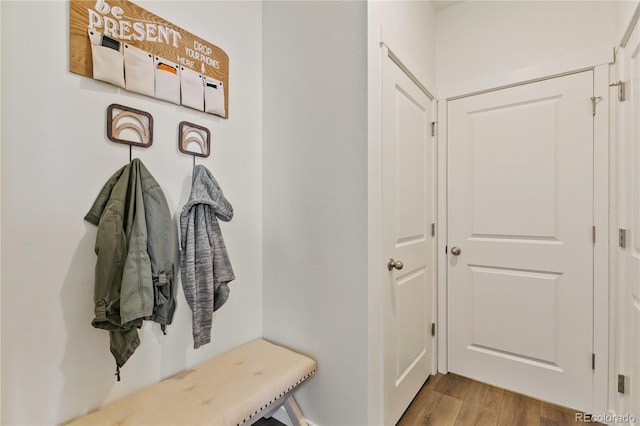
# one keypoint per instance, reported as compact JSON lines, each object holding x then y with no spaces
{"x":521,"y":320}
{"x":407,"y":196}
{"x":525,"y":209}
{"x":521,"y":212}
{"x":412,"y":339}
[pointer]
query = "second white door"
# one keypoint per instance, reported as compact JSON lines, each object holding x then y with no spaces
{"x":520,"y":238}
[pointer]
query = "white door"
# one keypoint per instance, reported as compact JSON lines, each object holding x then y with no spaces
{"x":520,"y":238}
{"x":629,"y":256}
{"x":407,"y":196}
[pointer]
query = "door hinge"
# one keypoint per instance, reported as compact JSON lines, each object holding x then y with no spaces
{"x":433,"y":328}
{"x":594,"y":101}
{"x":434,"y":129}
{"x":593,"y":361}
{"x":621,"y":89}
{"x":621,"y":383}
{"x":622,"y":238}
{"x":433,"y":229}
{"x":593,"y":231}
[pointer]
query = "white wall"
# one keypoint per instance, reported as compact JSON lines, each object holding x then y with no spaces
{"x":315,"y":198}
{"x":408,"y":29}
{"x":486,"y":44}
{"x":55,"y":159}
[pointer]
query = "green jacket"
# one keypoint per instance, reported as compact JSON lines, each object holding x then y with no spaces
{"x":135,"y":244}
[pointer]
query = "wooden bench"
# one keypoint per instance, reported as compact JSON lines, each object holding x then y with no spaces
{"x":236,"y":388}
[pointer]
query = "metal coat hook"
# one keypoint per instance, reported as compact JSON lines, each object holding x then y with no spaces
{"x":194,"y":140}
{"x":129,"y":126}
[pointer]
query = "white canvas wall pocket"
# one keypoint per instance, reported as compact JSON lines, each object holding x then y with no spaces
{"x":167,"y":77}
{"x":138,"y":70}
{"x":107,"y":58}
{"x":214,"y":96}
{"x":192,"y":89}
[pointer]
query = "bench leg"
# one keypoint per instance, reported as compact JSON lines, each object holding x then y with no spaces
{"x":294,"y":412}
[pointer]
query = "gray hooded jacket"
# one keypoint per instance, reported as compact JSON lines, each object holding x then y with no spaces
{"x":204,"y":263}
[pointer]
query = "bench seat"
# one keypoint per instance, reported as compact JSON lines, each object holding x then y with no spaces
{"x":234,"y":388}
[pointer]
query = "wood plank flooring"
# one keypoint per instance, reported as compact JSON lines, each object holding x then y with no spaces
{"x":269,"y":421}
{"x":455,"y":400}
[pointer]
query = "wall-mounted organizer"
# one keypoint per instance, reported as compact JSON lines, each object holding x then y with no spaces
{"x":194,"y":139}
{"x":129,"y":126}
{"x":119,"y":42}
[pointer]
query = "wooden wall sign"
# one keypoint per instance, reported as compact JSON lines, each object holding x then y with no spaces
{"x":123,"y":44}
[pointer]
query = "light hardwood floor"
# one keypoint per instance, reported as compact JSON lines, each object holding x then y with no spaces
{"x":455,"y":400}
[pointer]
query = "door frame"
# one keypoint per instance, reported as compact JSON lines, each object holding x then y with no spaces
{"x":601,"y":218}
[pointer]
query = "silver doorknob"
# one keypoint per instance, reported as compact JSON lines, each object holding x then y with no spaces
{"x":456,"y":251}
{"x":394,"y":264}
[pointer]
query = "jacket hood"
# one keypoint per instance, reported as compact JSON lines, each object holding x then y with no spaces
{"x":205,"y":190}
